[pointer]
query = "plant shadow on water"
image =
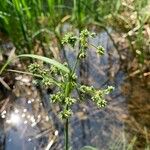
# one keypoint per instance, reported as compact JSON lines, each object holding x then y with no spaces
{"x":26,"y":125}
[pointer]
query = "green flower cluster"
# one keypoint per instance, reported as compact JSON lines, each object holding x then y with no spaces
{"x":66,"y":113}
{"x":36,"y":69}
{"x":71,"y":39}
{"x":49,"y":78}
{"x":58,"y":97}
{"x":97,"y":96}
{"x":67,"y":82}
{"x":100,"y":50}
{"x":63,"y":101}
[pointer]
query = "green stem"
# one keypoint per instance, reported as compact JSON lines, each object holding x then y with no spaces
{"x":67,"y":93}
{"x":66,"y":134}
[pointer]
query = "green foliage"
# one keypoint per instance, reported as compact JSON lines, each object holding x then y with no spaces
{"x":21,"y":19}
{"x":67,"y":79}
{"x":24,"y":21}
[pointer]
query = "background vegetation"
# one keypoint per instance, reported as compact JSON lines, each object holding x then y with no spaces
{"x":37,"y":27}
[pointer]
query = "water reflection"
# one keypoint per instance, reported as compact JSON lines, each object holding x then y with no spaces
{"x":14,"y":119}
{"x":25,"y":123}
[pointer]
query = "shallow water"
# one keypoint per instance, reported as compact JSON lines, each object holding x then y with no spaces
{"x":35,"y":121}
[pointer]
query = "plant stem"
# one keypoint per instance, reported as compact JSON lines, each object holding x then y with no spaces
{"x":67,"y":93}
{"x":66,"y":134}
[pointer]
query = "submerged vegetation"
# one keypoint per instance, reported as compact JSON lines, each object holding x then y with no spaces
{"x":37,"y":29}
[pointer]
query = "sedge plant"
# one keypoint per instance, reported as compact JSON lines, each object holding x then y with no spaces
{"x":67,"y":83}
{"x":64,"y":77}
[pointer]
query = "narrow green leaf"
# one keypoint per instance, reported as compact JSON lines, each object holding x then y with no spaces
{"x":88,"y":148}
{"x":16,"y":5}
{"x":47,"y":60}
{"x":35,"y":75}
{"x":118,"y":4}
{"x":26,"y":8}
{"x":51,"y":5}
{"x":42,"y":58}
{"x":4,"y":18}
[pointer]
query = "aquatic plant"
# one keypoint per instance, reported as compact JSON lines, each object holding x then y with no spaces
{"x":65,"y":79}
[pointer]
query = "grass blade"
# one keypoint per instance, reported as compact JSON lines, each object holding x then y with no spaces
{"x":42,"y":58}
{"x":47,"y":60}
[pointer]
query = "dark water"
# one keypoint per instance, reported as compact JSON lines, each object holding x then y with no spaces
{"x":29,"y":122}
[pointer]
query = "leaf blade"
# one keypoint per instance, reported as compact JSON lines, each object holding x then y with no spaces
{"x":47,"y":60}
{"x":88,"y":148}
